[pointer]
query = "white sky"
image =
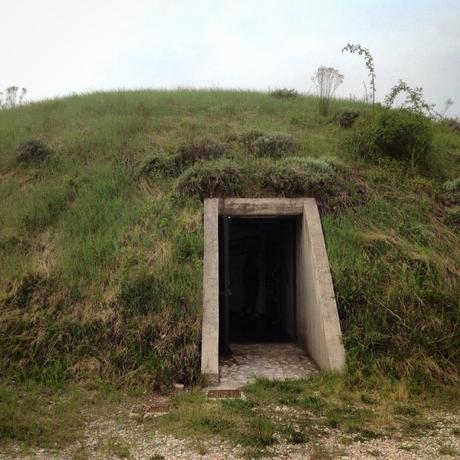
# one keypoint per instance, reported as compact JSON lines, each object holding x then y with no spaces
{"x":57,"y":47}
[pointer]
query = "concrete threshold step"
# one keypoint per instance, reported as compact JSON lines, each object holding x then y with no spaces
{"x":224,"y":393}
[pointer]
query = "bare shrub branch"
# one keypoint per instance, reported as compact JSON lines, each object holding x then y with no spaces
{"x":327,"y":80}
{"x":12,"y":97}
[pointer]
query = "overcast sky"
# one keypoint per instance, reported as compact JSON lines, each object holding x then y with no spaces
{"x":58,"y":47}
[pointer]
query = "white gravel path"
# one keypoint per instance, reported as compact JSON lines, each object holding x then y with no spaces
{"x":143,"y":442}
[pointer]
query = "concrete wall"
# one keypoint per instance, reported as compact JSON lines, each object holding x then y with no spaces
{"x":318,"y":326}
{"x":210,"y":328}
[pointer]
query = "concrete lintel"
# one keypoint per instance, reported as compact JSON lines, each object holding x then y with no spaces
{"x":262,"y":206}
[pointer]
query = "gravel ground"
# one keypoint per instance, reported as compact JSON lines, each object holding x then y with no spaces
{"x":124,"y":437}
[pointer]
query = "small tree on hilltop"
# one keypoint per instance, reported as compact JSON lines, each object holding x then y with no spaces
{"x":369,"y":60}
{"x":327,"y":80}
{"x":12,"y":97}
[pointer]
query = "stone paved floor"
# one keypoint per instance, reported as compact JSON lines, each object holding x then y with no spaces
{"x":276,"y":361}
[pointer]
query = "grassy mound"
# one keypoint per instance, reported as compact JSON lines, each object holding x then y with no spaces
{"x":101,"y":244}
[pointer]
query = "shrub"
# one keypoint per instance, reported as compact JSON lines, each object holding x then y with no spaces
{"x":263,"y":431}
{"x":32,"y":151}
{"x":414,"y":98}
{"x":160,"y":163}
{"x":326,"y":80}
{"x":452,"y":186}
{"x":212,"y":178}
{"x":453,"y":124}
{"x":262,"y":143}
{"x":204,"y":149}
{"x":346,"y":117}
{"x":400,"y":134}
{"x":325,"y":179}
{"x":274,"y":145}
{"x":299,"y":176}
{"x":452,"y":217}
{"x":284,"y":93}
{"x":246,"y":138}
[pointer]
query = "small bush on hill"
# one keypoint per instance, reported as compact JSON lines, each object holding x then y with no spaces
{"x":262,"y":143}
{"x":326,"y":179}
{"x":452,"y":186}
{"x":160,"y":163}
{"x":204,"y":149}
{"x":453,"y":124}
{"x":274,"y":145}
{"x":284,"y":93}
{"x":452,"y":217}
{"x":346,"y":117}
{"x":32,"y":151}
{"x":212,"y":178}
{"x":297,"y":176}
{"x":246,"y":138}
{"x":400,"y":134}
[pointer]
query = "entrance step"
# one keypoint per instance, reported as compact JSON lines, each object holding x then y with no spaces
{"x":274,"y":361}
{"x":224,"y":393}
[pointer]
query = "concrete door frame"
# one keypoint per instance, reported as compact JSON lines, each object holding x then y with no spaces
{"x":318,"y":325}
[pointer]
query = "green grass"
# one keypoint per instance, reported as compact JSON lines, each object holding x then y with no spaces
{"x":45,"y":416}
{"x":304,"y":411}
{"x":102,"y":256}
{"x":296,"y":412}
{"x":32,"y":416}
{"x":116,"y":448}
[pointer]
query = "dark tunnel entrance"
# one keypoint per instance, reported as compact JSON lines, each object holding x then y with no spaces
{"x":257,"y":280}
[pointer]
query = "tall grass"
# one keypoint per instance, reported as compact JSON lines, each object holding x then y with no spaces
{"x":100,"y":270}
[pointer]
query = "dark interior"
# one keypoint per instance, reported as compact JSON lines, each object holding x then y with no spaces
{"x":257,"y":265}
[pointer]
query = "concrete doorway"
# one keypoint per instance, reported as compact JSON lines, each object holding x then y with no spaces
{"x":266,"y":280}
{"x":257,"y":281}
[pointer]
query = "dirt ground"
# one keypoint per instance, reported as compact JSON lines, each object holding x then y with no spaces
{"x":130,"y":432}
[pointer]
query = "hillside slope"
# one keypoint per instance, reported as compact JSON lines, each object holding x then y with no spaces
{"x":101,"y":239}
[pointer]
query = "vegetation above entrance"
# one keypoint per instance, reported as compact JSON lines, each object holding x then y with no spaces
{"x":101,"y":228}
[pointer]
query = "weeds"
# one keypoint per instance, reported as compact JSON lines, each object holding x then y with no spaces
{"x":160,"y":164}
{"x":28,"y":418}
{"x":212,"y":179}
{"x":205,"y":149}
{"x":32,"y":151}
{"x":264,"y":144}
{"x":327,"y":80}
{"x":346,"y":117}
{"x":399,"y":134}
{"x":274,"y":145}
{"x":101,"y":244}
{"x":116,"y":448}
{"x":284,"y":93}
{"x":298,"y":412}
